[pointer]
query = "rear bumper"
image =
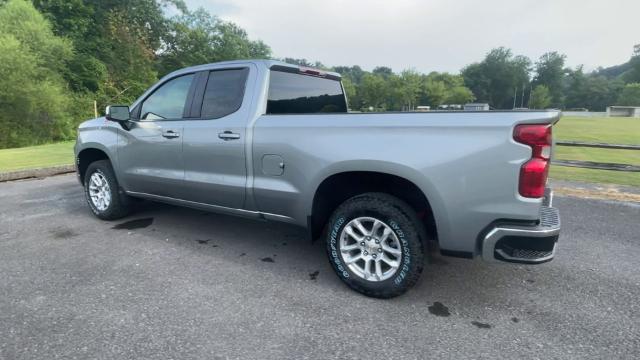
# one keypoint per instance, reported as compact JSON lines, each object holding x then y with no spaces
{"x":524,"y":244}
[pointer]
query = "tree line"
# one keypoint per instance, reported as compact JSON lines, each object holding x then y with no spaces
{"x":502,"y":80}
{"x":59,"y":56}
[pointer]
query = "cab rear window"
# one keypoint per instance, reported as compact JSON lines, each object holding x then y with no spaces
{"x":292,"y":93}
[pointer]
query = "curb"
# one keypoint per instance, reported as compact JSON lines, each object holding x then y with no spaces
{"x":36,"y":173}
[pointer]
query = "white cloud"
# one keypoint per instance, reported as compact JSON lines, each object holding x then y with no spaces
{"x":436,"y":35}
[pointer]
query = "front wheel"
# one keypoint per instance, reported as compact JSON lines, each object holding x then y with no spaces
{"x":102,"y":192}
{"x":374,"y":245}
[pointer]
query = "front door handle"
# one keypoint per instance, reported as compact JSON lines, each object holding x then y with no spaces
{"x":228,"y":135}
{"x":170,"y":134}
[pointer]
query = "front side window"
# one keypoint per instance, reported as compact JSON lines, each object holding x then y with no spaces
{"x":167,"y":102}
{"x":291,"y":93}
{"x":224,"y":92}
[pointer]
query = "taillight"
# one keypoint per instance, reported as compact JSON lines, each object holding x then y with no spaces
{"x":313,"y":72}
{"x":533,"y":173}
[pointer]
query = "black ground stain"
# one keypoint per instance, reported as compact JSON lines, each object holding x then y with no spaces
{"x":284,"y":243}
{"x":267,"y":259}
{"x":481,"y":325}
{"x":242,"y":254}
{"x":515,"y":319}
{"x":63,"y":234}
{"x":530,"y":281}
{"x":314,"y":275}
{"x":214,"y":245}
{"x":203,"y":241}
{"x":134,"y":224}
{"x":438,"y":309}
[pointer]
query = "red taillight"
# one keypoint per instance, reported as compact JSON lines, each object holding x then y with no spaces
{"x":533,"y":178}
{"x":313,"y":72}
{"x":533,"y":173}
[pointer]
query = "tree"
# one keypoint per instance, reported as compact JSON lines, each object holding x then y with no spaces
{"x":630,"y":95}
{"x":96,"y":27}
{"x":200,"y":38}
{"x":445,"y":88}
{"x":435,"y":91}
{"x":33,"y":95}
{"x":540,"y":97}
{"x":383,"y":71}
{"x":550,"y":72}
{"x":494,"y":79}
{"x":374,"y":91}
{"x":459,"y":95}
{"x":409,"y":89}
{"x":95,"y":50}
{"x":633,"y":74}
{"x":354,"y":73}
{"x":591,"y":91}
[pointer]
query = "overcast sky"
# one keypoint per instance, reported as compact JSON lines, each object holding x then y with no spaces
{"x":436,"y":35}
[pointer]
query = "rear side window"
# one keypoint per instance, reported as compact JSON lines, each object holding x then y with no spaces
{"x":224,"y":92}
{"x":291,"y":93}
{"x":167,"y":102}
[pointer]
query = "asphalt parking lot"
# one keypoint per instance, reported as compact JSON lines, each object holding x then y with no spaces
{"x":176,"y":283}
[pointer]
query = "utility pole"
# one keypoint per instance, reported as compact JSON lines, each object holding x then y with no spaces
{"x":515,"y":95}
{"x":522,"y":101}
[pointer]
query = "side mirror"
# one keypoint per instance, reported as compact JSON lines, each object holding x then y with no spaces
{"x":117,"y":113}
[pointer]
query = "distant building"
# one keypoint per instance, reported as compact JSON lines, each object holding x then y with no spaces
{"x":476,"y":107}
{"x":626,"y":111}
{"x":423,"y":108}
{"x":450,"y":107}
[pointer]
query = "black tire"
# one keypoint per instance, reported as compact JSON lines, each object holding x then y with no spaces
{"x":404,"y":223}
{"x":120,"y":204}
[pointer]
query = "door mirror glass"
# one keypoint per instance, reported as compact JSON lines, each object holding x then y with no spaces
{"x":117,"y":113}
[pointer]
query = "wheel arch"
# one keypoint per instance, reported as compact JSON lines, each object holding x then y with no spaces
{"x":88,"y":155}
{"x":337,"y":187}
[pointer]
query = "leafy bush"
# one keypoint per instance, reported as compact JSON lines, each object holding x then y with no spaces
{"x":33,"y":96}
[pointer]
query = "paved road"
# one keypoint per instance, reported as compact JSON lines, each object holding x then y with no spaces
{"x":178,"y":283}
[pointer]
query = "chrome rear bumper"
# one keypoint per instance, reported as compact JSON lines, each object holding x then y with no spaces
{"x":524,"y":244}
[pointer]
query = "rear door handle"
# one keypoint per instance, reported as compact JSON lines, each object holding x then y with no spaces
{"x":228,"y":135}
{"x":170,"y":134}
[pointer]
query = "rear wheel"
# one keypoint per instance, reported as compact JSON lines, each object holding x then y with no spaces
{"x":102,"y":192}
{"x":374,"y":245}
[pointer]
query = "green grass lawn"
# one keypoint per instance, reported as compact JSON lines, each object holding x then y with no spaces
{"x":604,"y":130}
{"x":36,"y":156}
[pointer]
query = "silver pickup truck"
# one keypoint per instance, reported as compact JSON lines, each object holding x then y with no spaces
{"x":273,"y":141}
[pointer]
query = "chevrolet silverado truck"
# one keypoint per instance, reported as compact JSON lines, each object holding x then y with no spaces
{"x":273,"y":141}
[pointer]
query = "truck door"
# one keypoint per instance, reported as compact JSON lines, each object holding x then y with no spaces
{"x":150,"y":152}
{"x":215,"y":137}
